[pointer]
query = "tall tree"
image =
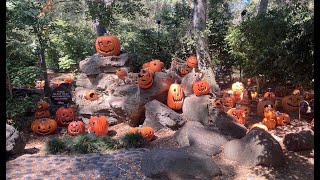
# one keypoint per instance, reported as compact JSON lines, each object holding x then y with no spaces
{"x":205,"y":63}
{"x":262,"y":7}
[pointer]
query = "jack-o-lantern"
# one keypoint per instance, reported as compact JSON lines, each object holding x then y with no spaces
{"x":91,"y":95}
{"x":76,"y":128}
{"x":156,"y":65}
{"x":145,"y":79}
{"x":229,"y":101}
{"x":237,"y":86}
{"x":245,"y":101}
{"x":270,"y":95}
{"x":308,"y":96}
{"x":175,"y":97}
{"x":192,"y":61}
{"x":280,"y":91}
{"x":269,"y":113}
{"x":238,"y":115}
{"x":98,"y":125}
{"x":65,"y":115}
{"x":259,"y":125}
{"x":108,"y":45}
{"x":263,"y":104}
{"x":291,"y":102}
{"x":44,"y":126}
{"x":184,"y":70}
{"x":146,"y":131}
{"x":42,"y":105}
{"x":246,"y":109}
{"x":282,"y":119}
{"x":217,"y":103}
{"x":121,"y":73}
{"x":68,"y":80}
{"x":296,"y":92}
{"x":201,"y":87}
{"x":270,"y":123}
{"x":146,"y":65}
{"x":41,"y":114}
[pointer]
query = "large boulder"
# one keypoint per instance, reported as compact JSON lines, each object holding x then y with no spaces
{"x":14,"y":142}
{"x":179,"y":164}
{"x":258,"y":147}
{"x":303,"y":140}
{"x":158,"y":116}
{"x":187,"y":81}
{"x":195,"y":134}
{"x":100,"y":82}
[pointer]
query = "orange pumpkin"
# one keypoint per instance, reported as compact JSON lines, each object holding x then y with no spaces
{"x":42,"y":105}
{"x":121,"y":73}
{"x":263,"y":104}
{"x":156,"y":65}
{"x":229,"y":101}
{"x":76,"y":128}
{"x":259,"y":125}
{"x":184,"y":70}
{"x":201,"y":87}
{"x":91,"y":95}
{"x":269,"y":113}
{"x":246,"y":109}
{"x":238,"y":115}
{"x":146,"y":65}
{"x":270,"y":95}
{"x":291,"y":102}
{"x":42,"y":114}
{"x":175,"y":97}
{"x":296,"y":92}
{"x":308,"y":96}
{"x":65,"y":115}
{"x":245,"y":101}
{"x":68,"y":80}
{"x":108,"y":45}
{"x":145,"y":79}
{"x":270,"y":123}
{"x":282,"y":119}
{"x":146,"y":131}
{"x":98,"y":125}
{"x":44,"y":126}
{"x":192,"y":61}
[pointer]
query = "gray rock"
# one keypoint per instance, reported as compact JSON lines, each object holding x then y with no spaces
{"x":258,"y":147}
{"x":179,"y":164}
{"x":85,"y":81}
{"x":125,"y":90}
{"x":303,"y":140}
{"x":158,"y":116}
{"x":105,"y":80}
{"x":99,"y":82}
{"x":14,"y":143}
{"x":195,"y":134}
{"x":187,"y":81}
{"x":195,"y":108}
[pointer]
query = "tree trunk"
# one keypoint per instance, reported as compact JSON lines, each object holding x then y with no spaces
{"x":9,"y":82}
{"x":202,"y":50}
{"x":262,"y":7}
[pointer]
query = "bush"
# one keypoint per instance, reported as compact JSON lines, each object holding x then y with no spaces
{"x":133,"y":140}
{"x":56,"y":145}
{"x":84,"y":144}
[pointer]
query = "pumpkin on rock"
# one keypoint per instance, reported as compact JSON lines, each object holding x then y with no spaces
{"x":44,"y":126}
{"x":156,"y":65}
{"x":121,"y":73}
{"x":192,"y":61}
{"x":108,"y":45}
{"x":91,"y":95}
{"x":201,"y":87}
{"x":145,"y":79}
{"x":98,"y":125}
{"x":175,"y":97}
{"x":238,"y":115}
{"x":65,"y":115}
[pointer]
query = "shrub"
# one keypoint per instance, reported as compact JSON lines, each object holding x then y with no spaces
{"x":56,"y":145}
{"x":133,"y":140}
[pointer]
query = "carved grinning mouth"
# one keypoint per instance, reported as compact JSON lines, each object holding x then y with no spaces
{"x":43,"y":131}
{"x":292,"y":105}
{"x":202,"y":89}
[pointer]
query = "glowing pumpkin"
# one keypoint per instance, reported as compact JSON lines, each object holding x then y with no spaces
{"x":175,"y":97}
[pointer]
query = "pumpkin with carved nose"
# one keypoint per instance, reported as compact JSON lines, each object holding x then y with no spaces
{"x":145,"y":79}
{"x":108,"y":45}
{"x":76,"y":128}
{"x":238,"y":115}
{"x":175,"y":97}
{"x":184,"y":70}
{"x":44,"y":126}
{"x":228,"y":101}
{"x":201,"y":87}
{"x":65,"y":115}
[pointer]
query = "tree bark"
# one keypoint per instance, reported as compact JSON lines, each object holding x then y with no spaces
{"x":262,"y":7}
{"x":9,"y":82}
{"x":202,"y":49}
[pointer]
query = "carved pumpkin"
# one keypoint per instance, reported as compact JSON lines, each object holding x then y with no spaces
{"x":280,"y":91}
{"x":282,"y":119}
{"x":146,"y":65}
{"x":201,"y":87}
{"x":42,"y":114}
{"x":269,"y":113}
{"x":42,"y":105}
{"x":156,"y":65}
{"x":91,"y":95}
{"x":271,"y":96}
{"x":192,"y":61}
{"x":76,"y":128}
{"x":65,"y":115}
{"x":296,"y":92}
{"x":121,"y":73}
{"x":263,"y":104}
{"x":308,"y":96}
{"x":259,"y":125}
{"x":229,"y":101}
{"x":145,"y":79}
{"x":44,"y":126}
{"x":146,"y":131}
{"x":68,"y":80}
{"x":184,"y":70}
{"x":237,"y":86}
{"x":108,"y":45}
{"x":270,"y":123}
{"x":246,"y":109}
{"x":238,"y":115}
{"x":291,"y":102}
{"x":98,"y":125}
{"x":245,"y":101}
{"x":175,"y":97}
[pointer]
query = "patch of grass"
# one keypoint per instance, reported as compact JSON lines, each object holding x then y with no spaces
{"x":107,"y":143}
{"x":56,"y":145}
{"x":84,"y":144}
{"x":133,"y":140}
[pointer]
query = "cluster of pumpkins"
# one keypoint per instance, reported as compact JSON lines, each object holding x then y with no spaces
{"x":66,"y":117}
{"x":237,"y":104}
{"x":52,"y":85}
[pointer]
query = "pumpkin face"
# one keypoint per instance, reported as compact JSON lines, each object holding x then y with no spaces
{"x":145,"y":79}
{"x":238,"y":115}
{"x":280,"y":91}
{"x":192,"y":61}
{"x":263,"y":104}
{"x":98,"y":125}
{"x":42,"y":105}
{"x":308,"y":96}
{"x":108,"y":45}
{"x":269,"y":113}
{"x":271,"y":96}
{"x":91,"y":95}
{"x":245,"y":101}
{"x":259,"y":125}
{"x":156,"y":65}
{"x":282,"y":119}
{"x":270,"y":123}
{"x":245,"y":109}
{"x":76,"y":128}
{"x":291,"y":102}
{"x":229,"y":101}
{"x":175,"y":97}
{"x":201,"y":87}
{"x":237,"y":86}
{"x":121,"y":73}
{"x":184,"y":70}
{"x":218,"y":103}
{"x":65,"y":115}
{"x":41,"y":114}
{"x":296,"y":92}
{"x":44,"y":126}
{"x":68,"y":80}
